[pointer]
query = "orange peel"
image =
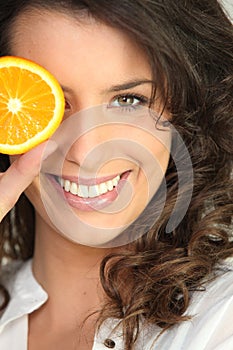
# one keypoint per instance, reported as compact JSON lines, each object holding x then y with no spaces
{"x":31,"y":105}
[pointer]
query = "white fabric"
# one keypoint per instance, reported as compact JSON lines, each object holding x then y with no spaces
{"x":228,"y":6}
{"x":211,"y":327}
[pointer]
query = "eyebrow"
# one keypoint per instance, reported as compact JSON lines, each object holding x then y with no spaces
{"x":66,"y":89}
{"x":129,"y":85}
{"x":124,"y":86}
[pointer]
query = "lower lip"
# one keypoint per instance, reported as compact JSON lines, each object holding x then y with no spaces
{"x":95,"y":203}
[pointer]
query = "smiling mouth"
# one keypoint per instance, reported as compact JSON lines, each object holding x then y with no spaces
{"x":85,"y":191}
{"x":87,"y":194}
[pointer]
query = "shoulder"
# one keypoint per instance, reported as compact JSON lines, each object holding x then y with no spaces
{"x":9,"y":273}
{"x":211,"y":313}
{"x":17,"y":278}
{"x":26,"y":294}
{"x":215,"y":301}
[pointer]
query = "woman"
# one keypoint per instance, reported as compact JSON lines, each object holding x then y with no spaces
{"x":169,"y":288}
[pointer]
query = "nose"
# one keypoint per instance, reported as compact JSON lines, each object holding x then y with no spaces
{"x":86,"y":133}
{"x":85,"y":144}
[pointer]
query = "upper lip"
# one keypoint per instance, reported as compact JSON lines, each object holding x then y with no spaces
{"x":90,"y":181}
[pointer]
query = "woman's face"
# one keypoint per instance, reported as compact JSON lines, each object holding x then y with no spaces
{"x":115,"y":160}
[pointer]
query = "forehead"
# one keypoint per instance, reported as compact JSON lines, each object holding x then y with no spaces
{"x":36,"y":30}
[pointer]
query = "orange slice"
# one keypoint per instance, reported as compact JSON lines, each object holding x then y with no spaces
{"x":31,"y":104}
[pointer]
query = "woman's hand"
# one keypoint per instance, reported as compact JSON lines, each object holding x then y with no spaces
{"x":20,"y":175}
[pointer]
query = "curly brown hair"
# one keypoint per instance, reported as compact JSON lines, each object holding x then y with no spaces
{"x":190,"y":47}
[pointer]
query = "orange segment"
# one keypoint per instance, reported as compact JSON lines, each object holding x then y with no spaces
{"x":31,"y":105}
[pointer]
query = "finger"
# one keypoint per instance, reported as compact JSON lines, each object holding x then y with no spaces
{"x":20,"y":175}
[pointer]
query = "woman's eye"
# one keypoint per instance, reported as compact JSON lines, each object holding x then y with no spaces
{"x":125,"y":101}
{"x":67,"y":105}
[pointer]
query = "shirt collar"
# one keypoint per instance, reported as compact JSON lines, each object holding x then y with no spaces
{"x":26,"y":294}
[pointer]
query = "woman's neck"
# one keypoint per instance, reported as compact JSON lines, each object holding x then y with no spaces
{"x":68,"y":272}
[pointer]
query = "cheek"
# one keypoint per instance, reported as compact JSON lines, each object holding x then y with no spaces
{"x":154,"y":167}
{"x":153,"y":172}
{"x":155,"y":156}
{"x":162,"y":156}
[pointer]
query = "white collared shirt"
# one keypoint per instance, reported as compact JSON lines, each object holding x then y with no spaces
{"x":211,"y":327}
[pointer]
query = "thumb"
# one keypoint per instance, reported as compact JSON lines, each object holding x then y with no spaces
{"x":20,"y":174}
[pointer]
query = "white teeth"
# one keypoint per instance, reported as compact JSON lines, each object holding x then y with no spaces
{"x":93,"y":191}
{"x":103,"y":188}
{"x":74,"y":188}
{"x":79,"y":192}
{"x":89,"y":191}
{"x":84,"y":191}
{"x":116,"y":180}
{"x":67,"y":185}
{"x":61,"y":181}
{"x":110,"y":185}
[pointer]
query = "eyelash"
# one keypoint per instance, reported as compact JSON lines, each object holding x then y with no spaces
{"x":142,"y":101}
{"x":67,"y":104}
